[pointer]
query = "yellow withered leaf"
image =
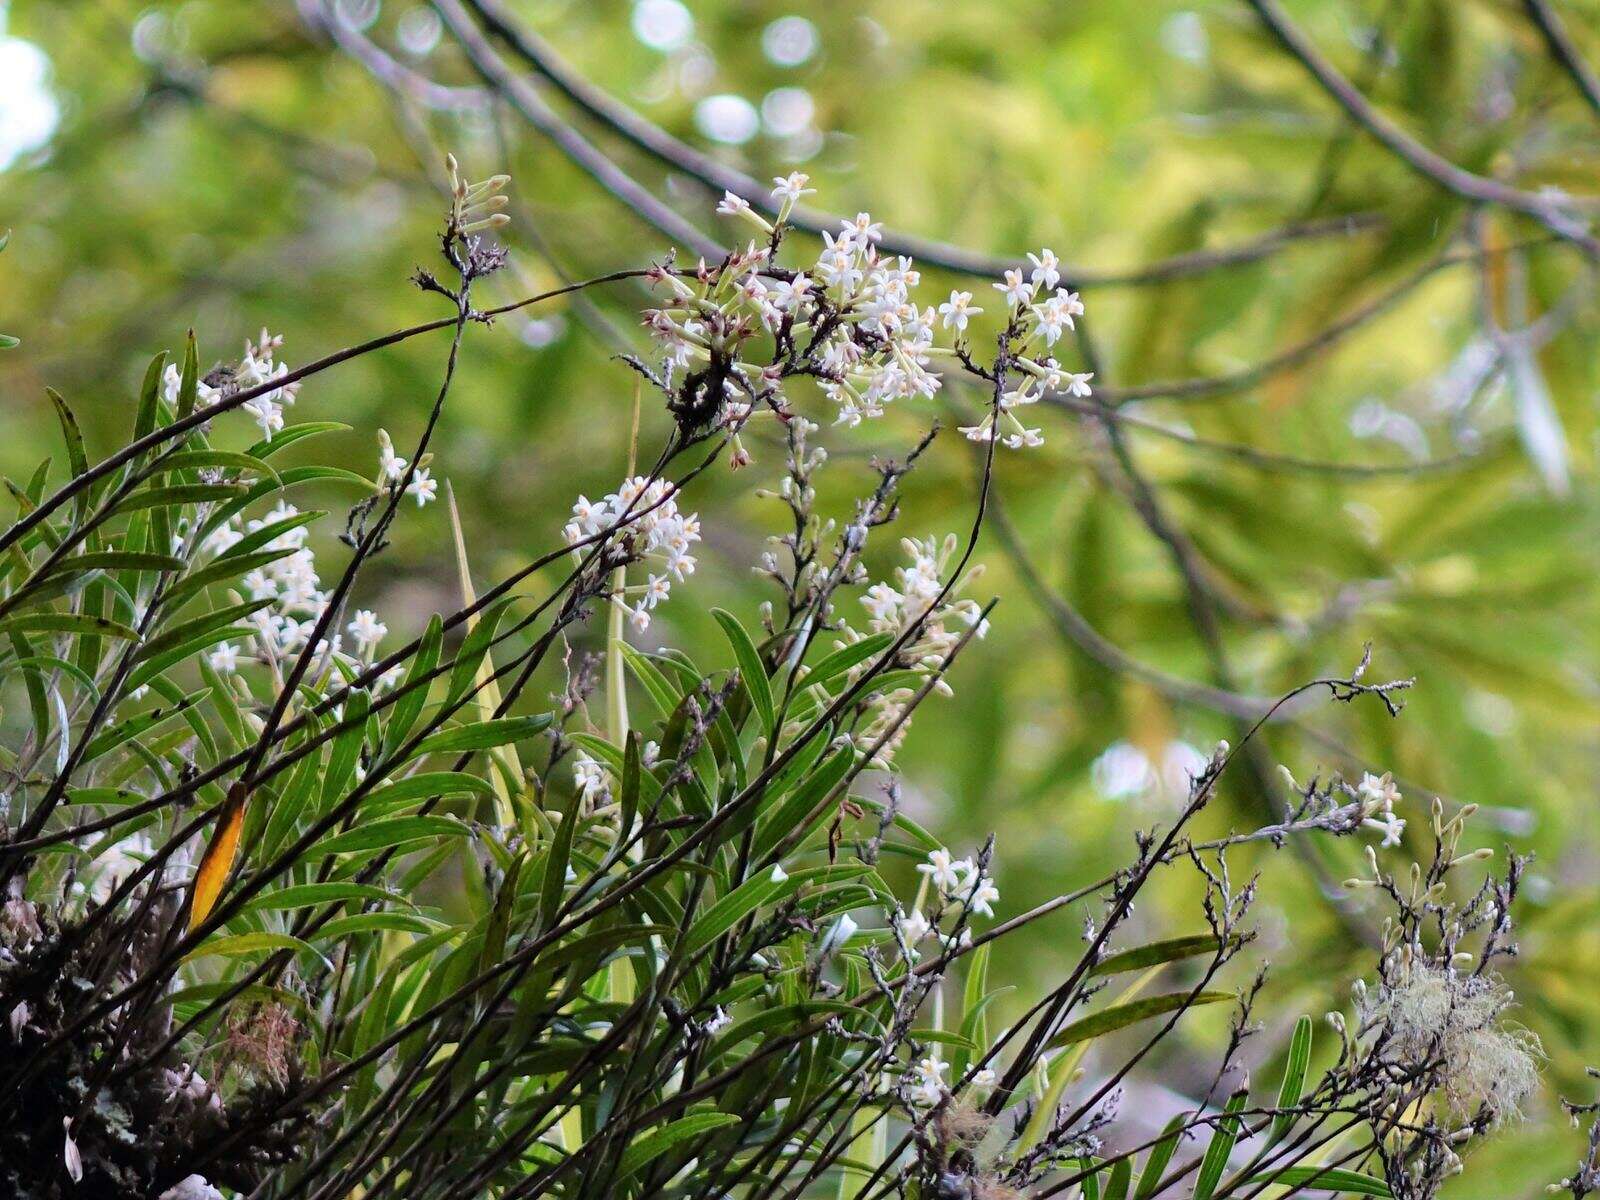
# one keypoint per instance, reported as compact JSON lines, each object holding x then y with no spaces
{"x":217,"y":861}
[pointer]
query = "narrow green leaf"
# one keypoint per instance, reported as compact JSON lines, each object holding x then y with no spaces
{"x":380,"y":835}
{"x":555,"y":864}
{"x":291,"y":434}
{"x":1117,"y":1181}
{"x":1155,"y":1165}
{"x":243,"y":944}
{"x":187,"y":631}
{"x":1122,"y":1015}
{"x":1216,"y":1157}
{"x":193,"y":460}
{"x":77,"y":457}
{"x":68,"y":623}
{"x":483,"y":735}
{"x":189,"y":379}
{"x":658,"y":1141}
{"x":752,"y":672}
{"x":412,"y":691}
{"x":1294,"y":1078}
{"x":425,"y":785}
{"x":306,"y":895}
{"x":1325,"y":1179}
{"x":1156,"y":952}
{"x":149,"y":394}
{"x":118,"y":560}
{"x":842,"y":660}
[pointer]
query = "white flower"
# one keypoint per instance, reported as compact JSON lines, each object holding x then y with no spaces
{"x":589,"y":776}
{"x":718,"y":1021}
{"x":172,"y":384}
{"x":193,"y":1187}
{"x":1016,"y":289}
{"x":863,"y":229}
{"x":787,"y":295}
{"x":1056,"y":314}
{"x":661,"y":535}
{"x":790,"y":188}
{"x":1075,"y":384}
{"x":1377,"y":792}
{"x":423,"y":486}
{"x":957,"y":309}
{"x":366,"y":629}
{"x":266,"y":414}
{"x":70,"y":1157}
{"x":924,"y":1085}
{"x":391,"y":467}
{"x":983,"y":1079}
{"x":1389,"y":825}
{"x":843,"y":930}
{"x":1045,"y":268}
{"x":913,"y":927}
{"x":224,"y":659}
{"x":778,"y":873}
{"x":941,"y":871}
{"x":733,"y":206}
{"x":983,"y":897}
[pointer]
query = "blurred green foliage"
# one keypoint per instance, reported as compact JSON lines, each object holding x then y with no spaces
{"x":217,"y":166}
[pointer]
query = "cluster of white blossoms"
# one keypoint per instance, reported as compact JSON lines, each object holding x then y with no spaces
{"x":960,"y":881}
{"x":914,"y":603}
{"x":659,"y":533}
{"x":289,"y":581}
{"x":894,"y":610}
{"x":1378,"y":795}
{"x":592,"y":778}
{"x":258,"y":366}
{"x":293,"y":586}
{"x":1042,"y":311}
{"x":923,"y":1084}
{"x":852,"y":321}
{"x":962,"y":887}
{"x":392,"y":469}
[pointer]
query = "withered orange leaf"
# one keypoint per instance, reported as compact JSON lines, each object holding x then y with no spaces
{"x":217,"y":861}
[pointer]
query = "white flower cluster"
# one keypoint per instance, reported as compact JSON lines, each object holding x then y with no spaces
{"x":661,"y":536}
{"x":1042,"y":311}
{"x":923,"y":1084}
{"x":258,"y":366}
{"x":292,"y":584}
{"x":1378,"y":795}
{"x":959,"y":883}
{"x":863,"y":335}
{"x":894,"y":610}
{"x":392,"y":469}
{"x":592,"y":778}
